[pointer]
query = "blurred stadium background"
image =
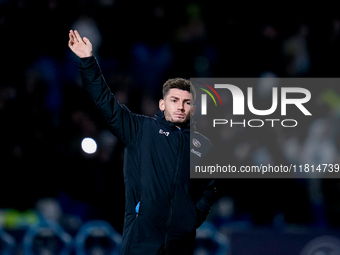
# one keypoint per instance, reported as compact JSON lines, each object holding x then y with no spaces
{"x":58,"y":199}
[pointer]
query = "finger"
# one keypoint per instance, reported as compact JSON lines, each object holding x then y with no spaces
{"x":86,"y":41}
{"x":77,"y":35}
{"x":71,"y":40}
{"x":71,"y":37}
{"x":75,"y":39}
{"x":70,"y":43}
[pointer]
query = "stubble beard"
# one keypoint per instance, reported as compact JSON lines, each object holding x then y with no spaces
{"x":168,"y":117}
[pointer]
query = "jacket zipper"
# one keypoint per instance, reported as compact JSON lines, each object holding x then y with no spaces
{"x":173,"y":188}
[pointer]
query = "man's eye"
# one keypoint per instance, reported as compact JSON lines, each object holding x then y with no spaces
{"x":173,"y":100}
{"x":188,"y":103}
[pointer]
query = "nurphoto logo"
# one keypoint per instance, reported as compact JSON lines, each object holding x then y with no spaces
{"x":238,"y":104}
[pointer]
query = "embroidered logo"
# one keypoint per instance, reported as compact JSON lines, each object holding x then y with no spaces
{"x":164,"y":133}
{"x":196,"y":143}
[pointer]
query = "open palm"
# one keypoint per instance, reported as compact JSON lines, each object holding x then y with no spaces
{"x":81,"y":47}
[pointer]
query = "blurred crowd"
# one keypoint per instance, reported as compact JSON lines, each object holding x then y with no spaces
{"x":45,"y":113}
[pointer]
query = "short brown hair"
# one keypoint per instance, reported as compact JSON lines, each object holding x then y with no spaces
{"x":179,"y":83}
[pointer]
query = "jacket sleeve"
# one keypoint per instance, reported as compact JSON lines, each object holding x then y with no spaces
{"x":124,"y":124}
{"x":204,"y":205}
{"x":209,"y":191}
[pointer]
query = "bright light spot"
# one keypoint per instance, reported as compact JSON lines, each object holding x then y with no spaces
{"x":89,"y":145}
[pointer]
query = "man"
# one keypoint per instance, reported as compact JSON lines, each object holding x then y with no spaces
{"x":163,"y":206}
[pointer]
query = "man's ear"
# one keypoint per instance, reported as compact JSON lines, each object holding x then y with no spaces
{"x":162,"y":105}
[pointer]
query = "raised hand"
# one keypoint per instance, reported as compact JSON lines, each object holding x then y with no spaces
{"x":81,"y":47}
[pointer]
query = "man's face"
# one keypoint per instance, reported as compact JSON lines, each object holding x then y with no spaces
{"x":177,"y":106}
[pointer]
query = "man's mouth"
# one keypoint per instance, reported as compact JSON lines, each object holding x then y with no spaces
{"x":179,"y":115}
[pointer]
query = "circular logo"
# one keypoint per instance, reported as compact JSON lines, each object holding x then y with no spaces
{"x":196,"y":143}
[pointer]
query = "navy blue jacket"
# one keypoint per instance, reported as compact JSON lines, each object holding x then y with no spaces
{"x":163,"y":205}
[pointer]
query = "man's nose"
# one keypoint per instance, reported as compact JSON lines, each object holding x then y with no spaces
{"x":180,"y":106}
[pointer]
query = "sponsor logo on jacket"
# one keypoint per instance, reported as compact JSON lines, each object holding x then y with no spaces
{"x":196,"y":153}
{"x":164,"y":133}
{"x":196,"y":143}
